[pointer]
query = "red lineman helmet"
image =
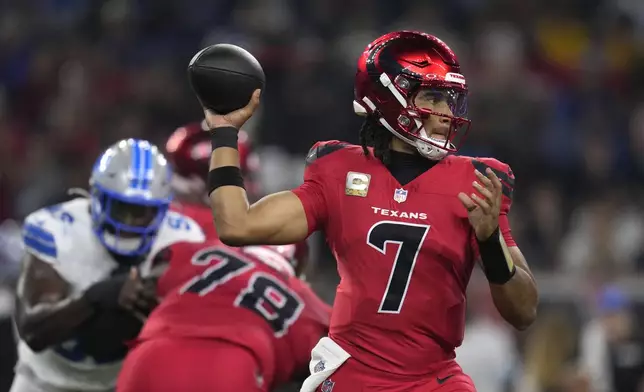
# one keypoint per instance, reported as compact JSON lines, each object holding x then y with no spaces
{"x":188,"y":149}
{"x":393,"y":69}
{"x":292,"y":258}
{"x":297,"y":255}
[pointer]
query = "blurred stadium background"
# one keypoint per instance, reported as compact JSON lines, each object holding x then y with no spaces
{"x":557,"y":91}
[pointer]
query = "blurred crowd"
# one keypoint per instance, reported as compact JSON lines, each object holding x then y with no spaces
{"x":556,"y":91}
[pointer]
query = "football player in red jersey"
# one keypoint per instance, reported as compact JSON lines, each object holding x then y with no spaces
{"x":202,"y":334}
{"x":406,"y":218}
{"x":188,"y":149}
{"x":240,"y":321}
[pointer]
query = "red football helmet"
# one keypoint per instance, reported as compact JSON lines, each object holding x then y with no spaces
{"x":290,"y":259}
{"x":189,"y":148}
{"x":296,"y":254}
{"x":393,"y":69}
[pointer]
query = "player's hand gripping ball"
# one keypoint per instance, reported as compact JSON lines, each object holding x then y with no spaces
{"x":224,"y":77}
{"x":233,"y":119}
{"x":484,"y":205}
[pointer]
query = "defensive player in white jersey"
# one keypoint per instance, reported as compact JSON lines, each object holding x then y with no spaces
{"x":88,"y":279}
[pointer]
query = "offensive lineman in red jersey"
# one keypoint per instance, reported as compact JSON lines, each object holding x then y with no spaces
{"x":224,"y":343}
{"x":406,"y":220}
{"x":241,"y":321}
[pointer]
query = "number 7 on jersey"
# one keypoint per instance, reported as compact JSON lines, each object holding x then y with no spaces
{"x":410,"y":238}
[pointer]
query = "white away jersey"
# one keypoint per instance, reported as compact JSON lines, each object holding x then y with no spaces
{"x":62,"y":236}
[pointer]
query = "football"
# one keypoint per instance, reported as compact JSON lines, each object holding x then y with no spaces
{"x":224,"y":77}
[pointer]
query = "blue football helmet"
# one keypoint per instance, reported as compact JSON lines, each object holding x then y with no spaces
{"x":130,"y":196}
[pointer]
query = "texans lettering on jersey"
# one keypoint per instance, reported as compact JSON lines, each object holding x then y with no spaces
{"x":405,"y":253}
{"x":62,"y":236}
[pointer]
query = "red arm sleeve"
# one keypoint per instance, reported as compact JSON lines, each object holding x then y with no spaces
{"x":505,"y":174}
{"x":508,"y":189}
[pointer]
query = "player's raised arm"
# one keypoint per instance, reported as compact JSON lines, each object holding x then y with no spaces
{"x":279,"y":218}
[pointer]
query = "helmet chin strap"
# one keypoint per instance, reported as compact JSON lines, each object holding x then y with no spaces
{"x":429,"y":150}
{"x":425,"y":146}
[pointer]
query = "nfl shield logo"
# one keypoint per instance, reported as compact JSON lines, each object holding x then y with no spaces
{"x":327,"y":385}
{"x":400,"y":195}
{"x":319,"y":367}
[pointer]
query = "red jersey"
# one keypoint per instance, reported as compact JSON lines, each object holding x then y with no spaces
{"x":180,"y":267}
{"x":247,"y":296}
{"x":200,"y":213}
{"x":405,"y":253}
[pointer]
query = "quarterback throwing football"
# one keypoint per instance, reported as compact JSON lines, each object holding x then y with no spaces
{"x":406,"y":219}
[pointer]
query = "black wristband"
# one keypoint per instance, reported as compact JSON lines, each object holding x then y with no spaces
{"x":497,"y":262}
{"x":224,"y":137}
{"x":223,"y":176}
